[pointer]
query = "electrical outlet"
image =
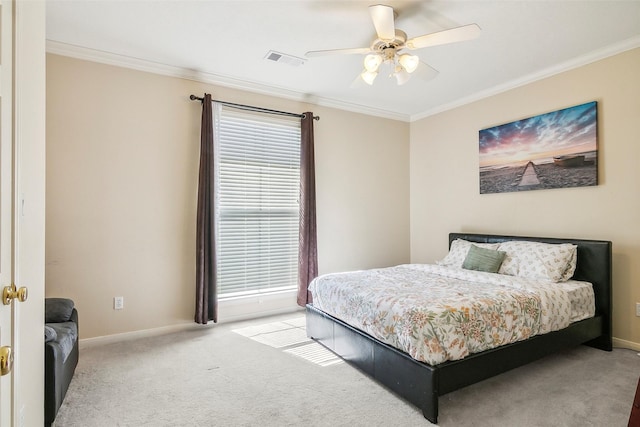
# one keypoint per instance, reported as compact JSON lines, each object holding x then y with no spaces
{"x":118,"y":303}
{"x":638,"y":309}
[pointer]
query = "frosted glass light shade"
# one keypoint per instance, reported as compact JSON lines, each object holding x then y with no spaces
{"x":369,"y":76}
{"x":372,"y":62}
{"x":402,"y":76}
{"x":409,"y":62}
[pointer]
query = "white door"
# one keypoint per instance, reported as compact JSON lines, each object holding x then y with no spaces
{"x":22,"y":178}
{"x":6,"y":197}
{"x":29,"y":170}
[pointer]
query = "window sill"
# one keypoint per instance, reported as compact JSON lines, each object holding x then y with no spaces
{"x":249,"y":307}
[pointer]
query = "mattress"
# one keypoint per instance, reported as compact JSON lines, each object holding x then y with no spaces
{"x":583,"y":305}
{"x":436,"y":313}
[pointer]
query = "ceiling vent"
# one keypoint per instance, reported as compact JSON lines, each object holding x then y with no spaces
{"x":284,"y":58}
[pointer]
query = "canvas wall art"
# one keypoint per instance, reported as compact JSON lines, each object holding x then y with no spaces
{"x":552,"y":150}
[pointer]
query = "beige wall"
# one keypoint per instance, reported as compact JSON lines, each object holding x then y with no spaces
{"x":122,"y":153}
{"x":445,"y":186}
{"x":122,"y":156}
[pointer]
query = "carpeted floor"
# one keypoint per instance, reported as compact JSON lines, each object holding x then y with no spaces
{"x":266,"y":372}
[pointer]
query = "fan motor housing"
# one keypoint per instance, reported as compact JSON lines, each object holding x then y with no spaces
{"x":397,"y":43}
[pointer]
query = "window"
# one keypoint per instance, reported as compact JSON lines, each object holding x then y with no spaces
{"x":258,"y":185}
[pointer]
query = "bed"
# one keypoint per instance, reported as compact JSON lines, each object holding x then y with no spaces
{"x":422,"y":383}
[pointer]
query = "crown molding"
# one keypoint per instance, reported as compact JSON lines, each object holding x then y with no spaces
{"x":94,"y":55}
{"x":138,"y":64}
{"x":577,"y":62}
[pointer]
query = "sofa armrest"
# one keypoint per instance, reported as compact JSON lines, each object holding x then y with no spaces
{"x":58,"y":371}
{"x":58,"y":375}
{"x":74,"y":318}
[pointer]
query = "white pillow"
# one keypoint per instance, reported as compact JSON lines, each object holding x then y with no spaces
{"x":536,"y":260}
{"x":458,"y":252}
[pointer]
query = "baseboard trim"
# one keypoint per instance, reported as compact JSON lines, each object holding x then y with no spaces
{"x":180,"y":327}
{"x":187,"y":326}
{"x":619,"y":343}
{"x":134,"y":335}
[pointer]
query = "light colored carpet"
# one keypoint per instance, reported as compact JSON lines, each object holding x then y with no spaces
{"x":266,"y":372}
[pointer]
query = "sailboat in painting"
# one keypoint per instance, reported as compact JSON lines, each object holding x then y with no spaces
{"x":569,"y":161}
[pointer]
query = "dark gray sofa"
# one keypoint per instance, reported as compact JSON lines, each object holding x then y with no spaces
{"x":60,"y":353}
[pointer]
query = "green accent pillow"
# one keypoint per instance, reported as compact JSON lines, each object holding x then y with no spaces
{"x":482,"y":259}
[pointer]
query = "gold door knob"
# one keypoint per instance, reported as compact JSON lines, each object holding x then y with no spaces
{"x":10,"y":293}
{"x":6,"y":360}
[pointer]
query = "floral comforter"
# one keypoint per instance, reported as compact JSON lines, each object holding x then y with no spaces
{"x":437,"y":313}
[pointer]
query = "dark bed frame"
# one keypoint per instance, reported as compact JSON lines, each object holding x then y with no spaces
{"x":422,"y":384}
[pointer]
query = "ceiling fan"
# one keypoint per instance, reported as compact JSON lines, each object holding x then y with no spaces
{"x":388,"y":47}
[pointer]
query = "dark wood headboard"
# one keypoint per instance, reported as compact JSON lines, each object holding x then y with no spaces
{"x":593,"y":265}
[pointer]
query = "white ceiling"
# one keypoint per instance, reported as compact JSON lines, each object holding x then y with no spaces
{"x":225,"y":42}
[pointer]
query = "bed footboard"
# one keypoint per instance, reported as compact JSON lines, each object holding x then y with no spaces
{"x":421,"y":384}
{"x":415,"y":381}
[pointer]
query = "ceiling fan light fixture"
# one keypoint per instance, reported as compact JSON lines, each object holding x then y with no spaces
{"x":383,"y":53}
{"x":402,"y":76}
{"x":369,"y":76}
{"x":409,"y":62}
{"x":372,"y":62}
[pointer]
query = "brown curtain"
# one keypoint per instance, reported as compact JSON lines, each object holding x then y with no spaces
{"x":206,"y":289}
{"x":308,"y":247}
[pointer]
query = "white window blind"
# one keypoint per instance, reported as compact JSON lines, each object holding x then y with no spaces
{"x":258,"y":185}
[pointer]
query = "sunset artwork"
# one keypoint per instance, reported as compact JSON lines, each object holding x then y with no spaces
{"x":551,"y":150}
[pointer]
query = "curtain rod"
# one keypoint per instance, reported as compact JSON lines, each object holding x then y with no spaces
{"x":252,"y":108}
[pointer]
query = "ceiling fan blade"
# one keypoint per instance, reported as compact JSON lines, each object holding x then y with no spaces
{"x":382,"y":17}
{"x":358,"y":83}
{"x":425,"y":71}
{"x":459,"y":34}
{"x":352,"y":51}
